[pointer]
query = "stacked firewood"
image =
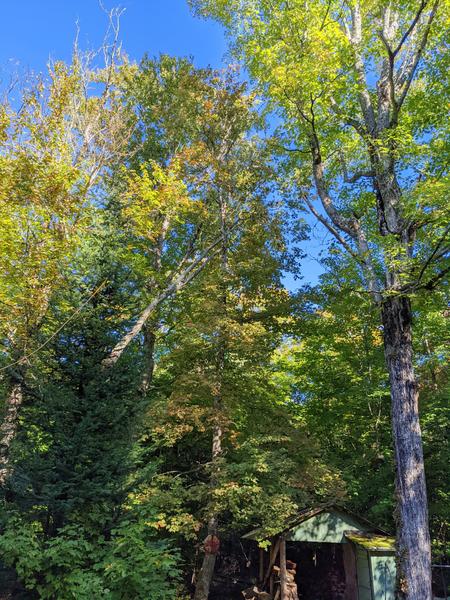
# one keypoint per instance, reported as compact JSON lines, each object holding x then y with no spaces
{"x":254,"y":593}
{"x":291,"y":586}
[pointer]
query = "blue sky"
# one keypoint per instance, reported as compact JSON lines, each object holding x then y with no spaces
{"x":32,"y":31}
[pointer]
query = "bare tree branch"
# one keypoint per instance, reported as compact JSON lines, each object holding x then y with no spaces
{"x":177,"y":284}
{"x":437,"y":253}
{"x":410,"y":29}
{"x":356,"y":176}
{"x":178,"y":281}
{"x":408,"y":74}
{"x":434,"y":281}
{"x":339,"y":221}
{"x":330,"y":228}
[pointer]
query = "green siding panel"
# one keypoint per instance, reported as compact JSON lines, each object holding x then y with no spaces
{"x":383,"y":575}
{"x":363,"y":575}
{"x":325,"y":527}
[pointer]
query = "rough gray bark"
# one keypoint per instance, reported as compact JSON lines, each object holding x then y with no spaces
{"x":378,"y":113}
{"x":413,"y":540}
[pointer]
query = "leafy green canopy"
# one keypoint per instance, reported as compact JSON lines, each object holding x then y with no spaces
{"x":325,"y":68}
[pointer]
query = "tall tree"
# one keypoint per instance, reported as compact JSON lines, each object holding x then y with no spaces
{"x":54,"y":148}
{"x":360,"y":89}
{"x":70,"y":524}
{"x":219,"y":326}
{"x":333,"y":366}
{"x":164,"y":194}
{"x":234,"y":186}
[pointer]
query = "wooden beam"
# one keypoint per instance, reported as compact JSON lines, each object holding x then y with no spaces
{"x":283,"y":571}
{"x":273,"y":557}
{"x":351,"y":586}
{"x":261,"y":565}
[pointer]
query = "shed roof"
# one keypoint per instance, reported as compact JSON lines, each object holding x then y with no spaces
{"x":350,"y":521}
{"x":372,"y":542}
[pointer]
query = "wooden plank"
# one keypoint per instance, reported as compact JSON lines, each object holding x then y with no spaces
{"x":351,"y":585}
{"x":261,"y":565}
{"x":283,"y":572}
{"x":273,"y":557}
{"x":363,"y":575}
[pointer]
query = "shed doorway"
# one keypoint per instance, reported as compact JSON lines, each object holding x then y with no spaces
{"x":323,"y":571}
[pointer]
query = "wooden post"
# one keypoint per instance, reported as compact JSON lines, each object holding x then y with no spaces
{"x":283,"y":571}
{"x":273,"y":557}
{"x":351,"y":586}
{"x":261,"y":565}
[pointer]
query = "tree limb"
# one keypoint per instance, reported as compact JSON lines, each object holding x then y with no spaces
{"x":355,"y":38}
{"x":178,"y":283}
{"x":410,"y":29}
{"x":330,"y":228}
{"x":407,"y":77}
{"x":338,"y":220}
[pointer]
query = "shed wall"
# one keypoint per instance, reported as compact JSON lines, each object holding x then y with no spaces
{"x":326,"y":527}
{"x":383,"y":575}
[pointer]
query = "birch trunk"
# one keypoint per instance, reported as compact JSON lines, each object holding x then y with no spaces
{"x":413,"y":539}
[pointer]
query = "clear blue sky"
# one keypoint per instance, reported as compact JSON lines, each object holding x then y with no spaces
{"x":31,"y":31}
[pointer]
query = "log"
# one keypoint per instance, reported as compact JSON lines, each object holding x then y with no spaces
{"x":250,"y":593}
{"x":254,"y":593}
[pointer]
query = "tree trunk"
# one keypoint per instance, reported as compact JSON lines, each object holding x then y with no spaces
{"x":149,"y":355}
{"x":9,"y":427}
{"x":209,"y":560}
{"x":413,"y":539}
{"x":206,"y":573}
